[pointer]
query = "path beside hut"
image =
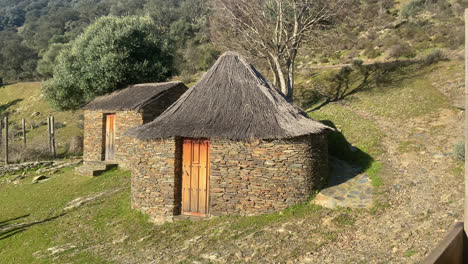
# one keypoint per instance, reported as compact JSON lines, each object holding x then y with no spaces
{"x":423,"y":190}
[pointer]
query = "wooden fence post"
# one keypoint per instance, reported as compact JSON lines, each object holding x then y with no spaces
{"x":24,"y":133}
{"x":466,"y":123}
{"x":52,"y":136}
{"x":6,"y":140}
{"x":48,"y":134}
{"x":1,"y":135}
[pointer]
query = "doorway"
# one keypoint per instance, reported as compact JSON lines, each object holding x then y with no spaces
{"x":110,"y":137}
{"x":195,"y":176}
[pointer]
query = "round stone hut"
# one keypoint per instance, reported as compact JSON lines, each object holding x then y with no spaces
{"x":232,"y":144}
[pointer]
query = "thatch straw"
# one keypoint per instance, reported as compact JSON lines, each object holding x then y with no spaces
{"x":133,"y":97}
{"x":231,"y":101}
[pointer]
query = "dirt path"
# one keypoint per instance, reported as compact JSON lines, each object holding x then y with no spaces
{"x":424,"y":195}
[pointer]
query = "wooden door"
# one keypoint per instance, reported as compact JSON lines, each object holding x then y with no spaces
{"x":195,"y":176}
{"x":110,"y":137}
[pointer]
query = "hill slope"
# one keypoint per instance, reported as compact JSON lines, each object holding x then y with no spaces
{"x":24,"y":100}
{"x":408,"y":126}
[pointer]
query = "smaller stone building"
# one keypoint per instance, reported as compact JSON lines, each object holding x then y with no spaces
{"x":232,"y":144}
{"x":108,"y":117}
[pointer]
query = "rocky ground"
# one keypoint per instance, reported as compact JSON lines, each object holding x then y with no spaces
{"x":422,"y":187}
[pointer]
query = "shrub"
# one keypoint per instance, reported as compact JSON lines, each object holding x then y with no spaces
{"x":459,"y":151}
{"x":400,"y":50}
{"x":371,"y":53}
{"x":109,"y":55}
{"x":434,"y":57}
{"x":413,"y":8}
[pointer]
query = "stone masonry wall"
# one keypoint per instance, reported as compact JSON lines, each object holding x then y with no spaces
{"x":258,"y":177}
{"x":246,"y":178}
{"x":94,"y":136}
{"x":155,"y":189}
{"x":124,"y":120}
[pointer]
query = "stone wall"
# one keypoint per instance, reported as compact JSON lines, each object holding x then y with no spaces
{"x":155,"y":189}
{"x":257,"y":177}
{"x":246,"y":178}
{"x":94,"y":134}
{"x":124,"y":120}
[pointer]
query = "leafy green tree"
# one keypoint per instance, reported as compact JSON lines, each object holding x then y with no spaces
{"x":45,"y":66}
{"x":111,"y":54}
{"x":17,"y":61}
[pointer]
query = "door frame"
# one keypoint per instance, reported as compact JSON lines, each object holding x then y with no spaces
{"x":208,"y":196}
{"x":105,"y":136}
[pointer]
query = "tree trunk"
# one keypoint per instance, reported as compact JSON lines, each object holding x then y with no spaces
{"x":273,"y":71}
{"x":290,"y":66}
{"x":281,"y":76}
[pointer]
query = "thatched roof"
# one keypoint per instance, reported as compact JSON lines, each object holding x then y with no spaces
{"x":231,"y":101}
{"x":133,"y":97}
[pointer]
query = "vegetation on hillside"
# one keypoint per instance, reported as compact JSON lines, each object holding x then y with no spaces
{"x":26,"y":100}
{"x":111,"y":54}
{"x":31,"y":32}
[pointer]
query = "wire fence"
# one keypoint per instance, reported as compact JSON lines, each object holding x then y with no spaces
{"x":24,"y":140}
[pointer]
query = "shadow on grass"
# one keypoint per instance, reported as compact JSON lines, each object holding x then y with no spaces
{"x":5,"y":107}
{"x":7,"y":230}
{"x":353,"y":79}
{"x":5,"y":222}
{"x":346,"y":160}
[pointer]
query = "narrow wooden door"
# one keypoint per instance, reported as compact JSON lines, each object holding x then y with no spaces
{"x":195,"y":176}
{"x":110,"y":137}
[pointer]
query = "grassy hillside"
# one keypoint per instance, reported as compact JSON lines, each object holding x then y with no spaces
{"x":22,"y":100}
{"x":35,"y":227}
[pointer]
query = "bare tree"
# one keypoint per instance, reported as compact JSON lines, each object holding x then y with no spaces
{"x":273,"y":30}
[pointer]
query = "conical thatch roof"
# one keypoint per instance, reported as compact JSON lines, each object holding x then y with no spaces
{"x":231,"y":101}
{"x":133,"y":97}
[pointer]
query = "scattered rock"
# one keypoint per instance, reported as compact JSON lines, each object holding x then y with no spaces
{"x":82,"y":200}
{"x":39,"y":178}
{"x":120,"y":240}
{"x":58,"y":249}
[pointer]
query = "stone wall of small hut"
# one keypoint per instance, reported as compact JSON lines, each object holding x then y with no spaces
{"x":94,"y":136}
{"x":246,"y":178}
{"x":124,"y":120}
{"x":95,"y":130}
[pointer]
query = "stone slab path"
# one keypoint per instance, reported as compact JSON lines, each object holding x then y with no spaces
{"x":346,"y":188}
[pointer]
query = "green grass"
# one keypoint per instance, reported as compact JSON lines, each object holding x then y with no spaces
{"x":24,"y":99}
{"x":41,"y":205}
{"x":105,"y":227}
{"x":410,"y":253}
{"x":409,"y":93}
{"x":354,"y":129}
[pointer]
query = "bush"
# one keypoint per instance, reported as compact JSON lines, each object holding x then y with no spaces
{"x":371,"y":53}
{"x":111,"y":54}
{"x":413,"y":8}
{"x":400,"y":50}
{"x":459,"y":151}
{"x":434,"y":57}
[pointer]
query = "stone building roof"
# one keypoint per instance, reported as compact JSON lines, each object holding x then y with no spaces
{"x":232,"y":101}
{"x":133,"y":97}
